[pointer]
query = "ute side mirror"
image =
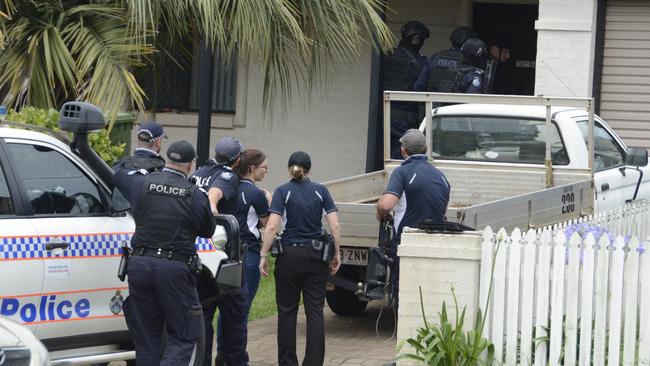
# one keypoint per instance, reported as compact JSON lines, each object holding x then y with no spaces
{"x":636,"y":156}
{"x":230,"y":275}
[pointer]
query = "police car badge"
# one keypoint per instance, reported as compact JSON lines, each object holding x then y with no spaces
{"x":116,"y":302}
{"x":226,"y":175}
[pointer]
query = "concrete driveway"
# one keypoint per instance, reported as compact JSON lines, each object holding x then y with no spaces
{"x":349,"y":340}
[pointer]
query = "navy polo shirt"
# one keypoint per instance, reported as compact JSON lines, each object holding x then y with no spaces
{"x":252,"y":206}
{"x":219,"y":176}
{"x":302,"y":205}
{"x":423,"y":192}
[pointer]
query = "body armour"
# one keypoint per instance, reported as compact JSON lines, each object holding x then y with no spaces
{"x":164,"y":214}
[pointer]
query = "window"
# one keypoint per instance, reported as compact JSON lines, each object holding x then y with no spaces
{"x":53,"y":183}
{"x":6,"y":207}
{"x":174,"y":84}
{"x":607,"y":152}
{"x":498,"y":139}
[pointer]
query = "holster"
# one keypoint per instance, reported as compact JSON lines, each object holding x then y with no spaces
{"x":276,"y":247}
{"x":124,"y":262}
{"x":195,"y":266}
{"x":326,"y":248}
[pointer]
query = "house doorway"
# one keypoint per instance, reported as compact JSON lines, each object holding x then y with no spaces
{"x":517,"y":22}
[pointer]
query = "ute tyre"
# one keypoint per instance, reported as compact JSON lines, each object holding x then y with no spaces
{"x":344,"y":303}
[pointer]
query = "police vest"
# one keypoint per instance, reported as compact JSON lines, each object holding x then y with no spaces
{"x":164,"y":214}
{"x":137,"y":162}
{"x":447,"y":72}
{"x":398,"y":68}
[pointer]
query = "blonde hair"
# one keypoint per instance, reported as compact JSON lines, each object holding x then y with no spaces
{"x":297,"y":172}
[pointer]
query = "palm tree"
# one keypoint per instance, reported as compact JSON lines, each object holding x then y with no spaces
{"x":56,"y":50}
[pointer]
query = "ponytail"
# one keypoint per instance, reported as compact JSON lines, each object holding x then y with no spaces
{"x":297,"y":172}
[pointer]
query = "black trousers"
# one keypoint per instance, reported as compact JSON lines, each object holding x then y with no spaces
{"x":162,"y":293}
{"x":297,"y":272}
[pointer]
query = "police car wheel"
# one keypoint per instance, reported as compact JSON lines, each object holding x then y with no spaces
{"x":344,"y":303}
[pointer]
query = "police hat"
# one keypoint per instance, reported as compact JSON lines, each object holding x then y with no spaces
{"x":301,"y":159}
{"x":150,"y":131}
{"x":414,"y":27}
{"x":181,"y":152}
{"x":228,"y":147}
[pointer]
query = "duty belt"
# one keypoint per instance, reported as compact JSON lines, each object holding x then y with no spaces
{"x":303,"y":243}
{"x":164,"y":254}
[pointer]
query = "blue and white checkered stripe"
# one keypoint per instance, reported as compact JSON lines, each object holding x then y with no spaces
{"x":94,"y":245}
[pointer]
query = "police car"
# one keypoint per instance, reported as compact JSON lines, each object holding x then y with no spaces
{"x":61,"y":230}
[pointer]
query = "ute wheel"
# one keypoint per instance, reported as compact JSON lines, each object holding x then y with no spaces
{"x":344,"y":302}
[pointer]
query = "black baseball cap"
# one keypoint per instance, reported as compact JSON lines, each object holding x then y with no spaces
{"x":301,"y":159}
{"x":181,"y":152}
{"x":150,"y":131}
{"x":228,"y":147}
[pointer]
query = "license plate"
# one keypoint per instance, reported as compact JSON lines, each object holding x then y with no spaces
{"x":354,"y":256}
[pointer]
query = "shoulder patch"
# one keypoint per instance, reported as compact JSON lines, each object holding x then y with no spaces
{"x":139,"y":171}
{"x":476,"y":82}
{"x":226,"y":175}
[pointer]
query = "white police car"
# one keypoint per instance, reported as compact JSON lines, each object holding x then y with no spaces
{"x":60,"y":239}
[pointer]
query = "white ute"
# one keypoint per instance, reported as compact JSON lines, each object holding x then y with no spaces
{"x":61,"y":230}
{"x":512,"y":161}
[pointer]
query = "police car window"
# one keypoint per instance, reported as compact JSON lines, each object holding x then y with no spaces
{"x":496,"y":139}
{"x":607,"y":152}
{"x":53,"y":183}
{"x":6,"y":207}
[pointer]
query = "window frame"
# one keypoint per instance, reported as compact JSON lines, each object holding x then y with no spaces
{"x":15,"y":191}
{"x":613,"y":137}
{"x":102,"y":190}
{"x":505,"y":117}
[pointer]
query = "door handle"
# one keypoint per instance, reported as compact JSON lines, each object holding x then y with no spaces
{"x":604,"y":187}
{"x":56,"y":244}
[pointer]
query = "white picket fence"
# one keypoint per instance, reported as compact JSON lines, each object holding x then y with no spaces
{"x":558,"y":300}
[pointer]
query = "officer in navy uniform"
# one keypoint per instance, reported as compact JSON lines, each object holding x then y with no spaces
{"x":300,"y":268}
{"x":416,"y":191}
{"x":458,"y":69}
{"x":147,"y":154}
{"x":169,"y":212}
{"x":221,"y":182}
{"x":400,"y":69}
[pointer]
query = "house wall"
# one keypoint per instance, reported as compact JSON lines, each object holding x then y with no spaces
{"x":565,"y":48}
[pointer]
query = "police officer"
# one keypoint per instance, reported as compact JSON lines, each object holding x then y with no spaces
{"x":457,"y":69}
{"x":499,"y":51}
{"x":221,"y":182}
{"x":400,"y":69}
{"x":416,"y":191}
{"x":147,"y":155}
{"x":169,"y":214}
{"x":300,"y":269}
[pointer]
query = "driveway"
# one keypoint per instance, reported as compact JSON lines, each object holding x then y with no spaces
{"x":349,"y":340}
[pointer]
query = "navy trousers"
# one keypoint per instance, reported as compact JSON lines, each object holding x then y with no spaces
{"x":162,"y":293}
{"x":297,"y":272}
{"x":233,"y":311}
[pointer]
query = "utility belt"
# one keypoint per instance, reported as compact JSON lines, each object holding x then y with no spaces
{"x":192,"y":261}
{"x":321,"y":249}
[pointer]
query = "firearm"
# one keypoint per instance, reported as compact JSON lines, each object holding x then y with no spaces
{"x":488,"y":79}
{"x":124,"y":262}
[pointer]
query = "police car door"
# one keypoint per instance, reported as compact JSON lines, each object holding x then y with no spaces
{"x":20,"y":265}
{"x":613,"y":183}
{"x":79,"y":241}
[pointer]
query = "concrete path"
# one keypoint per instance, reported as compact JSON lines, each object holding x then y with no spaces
{"x":348,"y":340}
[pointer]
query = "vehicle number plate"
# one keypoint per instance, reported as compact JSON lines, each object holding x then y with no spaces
{"x":354,"y":256}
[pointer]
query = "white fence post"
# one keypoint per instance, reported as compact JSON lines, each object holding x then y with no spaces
{"x":631,"y":301}
{"x":499,"y":300}
{"x":527,"y":299}
{"x":557,"y":297}
{"x":616,"y":301}
{"x":572,"y":291}
{"x":542,"y":300}
{"x":514,"y":265}
{"x":587,"y":299}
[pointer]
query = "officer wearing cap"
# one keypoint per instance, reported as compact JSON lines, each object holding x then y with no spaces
{"x":169,"y":213}
{"x":416,"y":191}
{"x":300,"y":268}
{"x":147,"y":154}
{"x":221,"y":182}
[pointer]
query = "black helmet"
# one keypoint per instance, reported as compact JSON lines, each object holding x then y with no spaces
{"x":414,"y":27}
{"x":474,"y":47}
{"x":460,"y":35}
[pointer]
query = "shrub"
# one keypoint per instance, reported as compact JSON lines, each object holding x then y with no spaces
{"x":99,"y":141}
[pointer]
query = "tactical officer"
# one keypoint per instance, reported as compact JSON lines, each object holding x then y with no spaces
{"x":169,"y":214}
{"x":458,"y":69}
{"x":147,"y":155}
{"x":301,"y":267}
{"x":416,"y":191}
{"x":500,"y":53}
{"x":400,"y":69}
{"x":217,"y":176}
